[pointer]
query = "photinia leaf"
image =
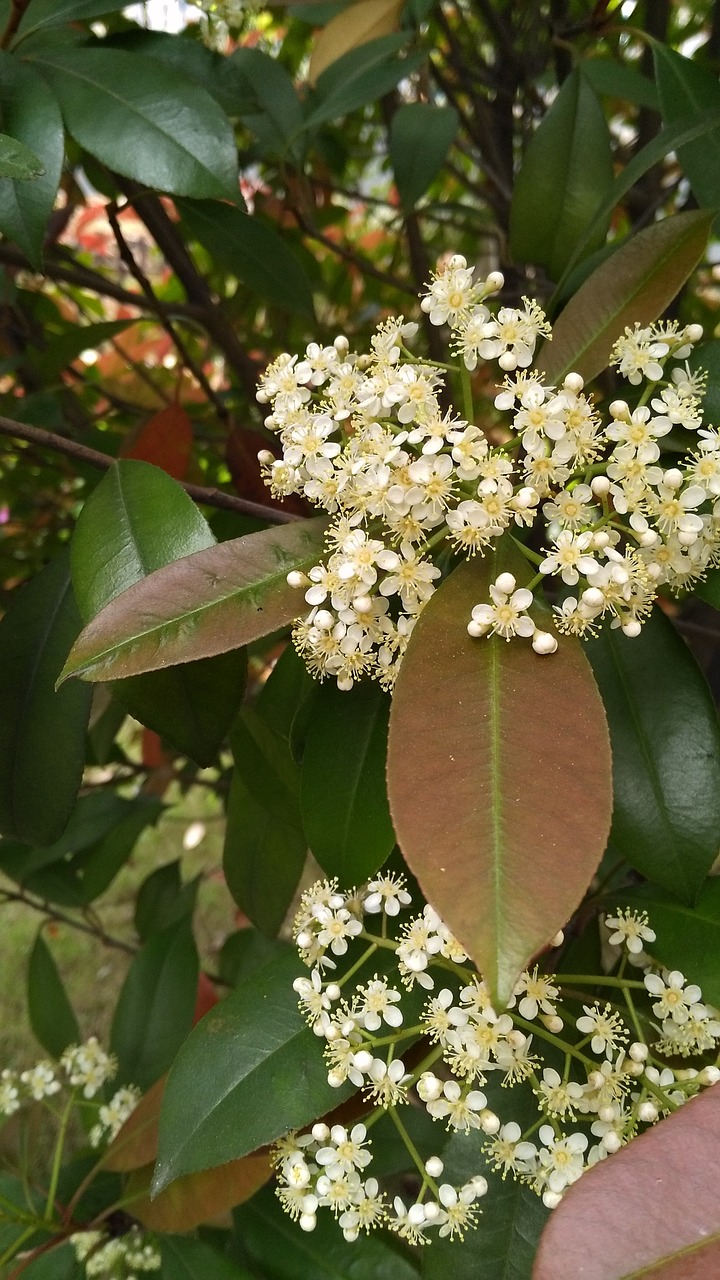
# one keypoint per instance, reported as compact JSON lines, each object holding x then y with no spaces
{"x":636,"y":284}
{"x":498,"y":776}
{"x":248,"y":1072}
{"x":165,"y":440}
{"x":344,"y":797}
{"x":666,"y":754}
{"x":252,"y":250}
{"x":274,"y":1243}
{"x":358,"y":24}
{"x":264,"y":96}
{"x":163,"y":899}
{"x":363,"y":75}
{"x":198,"y":1197}
{"x":687,"y":91}
{"x":142,"y":520}
{"x":53,"y":13}
{"x":613,"y":79}
{"x":29,"y":110}
{"x":207,"y":603}
{"x":650,"y":1210}
{"x":42,"y":732}
{"x":707,"y":357}
{"x":186,"y":1259}
{"x":265,"y":848}
{"x":155,"y":1009}
{"x":566,"y":172}
{"x":687,"y":938}
{"x":144,"y":120}
{"x":421,"y":135}
{"x":51,"y":1015}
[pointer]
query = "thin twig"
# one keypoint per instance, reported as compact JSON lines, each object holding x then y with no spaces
{"x":17,"y":10}
{"x":52,"y":913}
{"x":103,"y":461}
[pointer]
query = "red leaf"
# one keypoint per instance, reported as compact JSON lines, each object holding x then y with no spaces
{"x":650,"y":1210}
{"x":166,"y":440}
{"x":241,"y":456}
{"x":499,"y":778}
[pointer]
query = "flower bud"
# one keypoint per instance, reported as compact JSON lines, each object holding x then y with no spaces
{"x":593,"y":598}
{"x":600,"y":486}
{"x":574,"y":383}
{"x":673,"y":478}
{"x":543,"y":642}
{"x":638,"y":1051}
{"x":434,"y":1166}
{"x":495,"y":282}
{"x":631,"y":629}
{"x":432,"y":1211}
{"x":506,"y":583}
{"x":709,"y":1075}
{"x":647,"y":1112}
{"x":611,"y":1141}
{"x":320,"y":1132}
{"x":297,"y":579}
{"x":620,"y":410}
{"x":266,"y":458}
{"x":308,"y":1221}
{"x":489,"y":1122}
{"x":693,"y":332}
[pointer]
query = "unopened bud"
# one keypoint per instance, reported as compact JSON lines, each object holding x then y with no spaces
{"x":495,"y":282}
{"x":266,"y":458}
{"x":611,"y":1142}
{"x":673,"y":478}
{"x":506,"y":583}
{"x":631,"y":629}
{"x":434,"y":1166}
{"x":489,"y":1122}
{"x":543,"y":642}
{"x":600,"y":486}
{"x":297,"y":579}
{"x":574,"y":383}
{"x":620,"y":410}
{"x":693,"y":332}
{"x":647,"y":1112}
{"x":638,"y":1051}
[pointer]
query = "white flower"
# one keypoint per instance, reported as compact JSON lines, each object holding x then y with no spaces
{"x":673,"y":998}
{"x":560,"y":1160}
{"x":604,"y":1026}
{"x":40,"y":1081}
{"x":506,"y":616}
{"x":570,"y":557}
{"x":345,"y":1152}
{"x":630,"y":928}
{"x":510,"y":1153}
{"x":460,"y":1107}
{"x":386,"y":893}
{"x":377,"y":1005}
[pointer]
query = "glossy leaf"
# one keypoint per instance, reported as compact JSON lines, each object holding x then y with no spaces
{"x":246,"y":1074}
{"x":651,"y":1210}
{"x":17,"y":160}
{"x":244,"y":952}
{"x":687,"y":937}
{"x":29,"y":112}
{"x":666,"y":754}
{"x":688,"y":91}
{"x":614,"y":79}
{"x":344,"y":797}
{"x":252,"y":250}
{"x":142,"y":520}
{"x":155,"y":1009}
{"x":363,"y":75}
{"x":135,"y":1146}
{"x":264,"y":97}
{"x":186,"y":1259}
{"x":265,"y":848}
{"x":42,"y":732}
{"x":207,"y":603}
{"x":53,"y":13}
{"x":636,"y":284}
{"x":358,"y":24}
{"x":498,"y":779}
{"x":274,"y":1243}
{"x":143,"y":120}
{"x":707,"y":357}
{"x":566,"y":172}
{"x":58,"y":1264}
{"x":162,"y":900}
{"x":198,"y":1197}
{"x":51,"y":1015}
{"x":421,"y":135}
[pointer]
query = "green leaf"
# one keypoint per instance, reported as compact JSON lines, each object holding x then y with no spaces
{"x":265,"y":848}
{"x":42,"y":732}
{"x":162,"y":900}
{"x":276,"y":1244}
{"x":286,"y":697}
{"x":17,"y":160}
{"x":247,"y":1073}
{"x":244,"y":952}
{"x":51,"y":1015}
{"x":666,"y":754}
{"x":491,"y":775}
{"x":252,"y":250}
{"x":687,"y":91}
{"x":143,"y":520}
{"x":707,"y":357}
{"x":61,"y":350}
{"x":421,"y":135}
{"x":207,"y":603}
{"x":186,"y":1259}
{"x":155,"y":1010}
{"x":143,"y":120}
{"x":612,"y":79}
{"x":266,"y":97}
{"x":566,"y":172}
{"x":360,"y":76}
{"x":58,"y":1264}
{"x":53,"y":13}
{"x":687,"y":938}
{"x":344,"y":797}
{"x":636,"y":284}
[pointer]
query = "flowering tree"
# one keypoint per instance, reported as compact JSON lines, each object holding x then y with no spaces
{"x":413,"y":302}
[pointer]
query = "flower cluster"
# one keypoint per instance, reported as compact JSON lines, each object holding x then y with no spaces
{"x":412,"y":485}
{"x":83,"y":1068}
{"x":116,"y":1258}
{"x":597,"y":1072}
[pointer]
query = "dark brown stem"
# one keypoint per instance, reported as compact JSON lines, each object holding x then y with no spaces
{"x":17,"y":10}
{"x":103,"y":461}
{"x":358,"y":260}
{"x":138,"y":274}
{"x":52,"y":913}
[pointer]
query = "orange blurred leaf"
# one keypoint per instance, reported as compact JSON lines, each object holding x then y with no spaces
{"x":198,"y":1197}
{"x":166,"y":440}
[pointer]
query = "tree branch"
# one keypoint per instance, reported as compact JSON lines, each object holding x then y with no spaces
{"x":103,"y":461}
{"x":17,"y":10}
{"x":52,"y":913}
